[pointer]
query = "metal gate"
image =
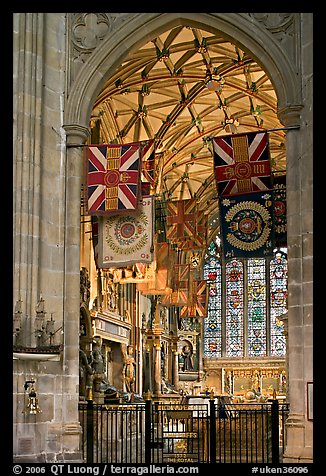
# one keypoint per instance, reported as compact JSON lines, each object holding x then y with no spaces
{"x":179,"y":433}
{"x":155,"y":432}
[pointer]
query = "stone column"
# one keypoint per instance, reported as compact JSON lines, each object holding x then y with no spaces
{"x":76,"y":135}
{"x":175,"y":368}
{"x":28,"y":70}
{"x":157,"y":366}
{"x":147,"y":371}
{"x":200,"y":351}
{"x":299,"y":226}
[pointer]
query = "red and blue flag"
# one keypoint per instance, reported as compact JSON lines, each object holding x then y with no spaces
{"x":113,"y":178}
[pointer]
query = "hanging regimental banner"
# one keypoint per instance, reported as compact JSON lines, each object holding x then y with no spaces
{"x":127,"y":239}
{"x":198,"y":300}
{"x":242,"y":163}
{"x":280,"y":221}
{"x":247,"y":225}
{"x":112,"y":178}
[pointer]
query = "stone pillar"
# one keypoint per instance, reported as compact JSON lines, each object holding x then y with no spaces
{"x":299,"y":226}
{"x":200,"y":351}
{"x":157,"y":366}
{"x":175,"y":369}
{"x":147,"y":371}
{"x":28,"y":42}
{"x":76,"y":135}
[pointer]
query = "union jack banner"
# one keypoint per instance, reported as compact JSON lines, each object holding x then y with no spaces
{"x":186,"y":225}
{"x":181,"y":220}
{"x":180,"y":293}
{"x":201,"y":229}
{"x":112,"y":178}
{"x":242,"y":163}
{"x":147,"y":166}
{"x":157,"y":285}
{"x":199,"y":300}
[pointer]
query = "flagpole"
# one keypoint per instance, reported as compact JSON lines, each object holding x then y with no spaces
{"x":282,"y":128}
{"x":265,"y":130}
{"x":262,"y":130}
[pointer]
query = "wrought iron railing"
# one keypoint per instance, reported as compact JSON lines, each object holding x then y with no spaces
{"x":154,"y":432}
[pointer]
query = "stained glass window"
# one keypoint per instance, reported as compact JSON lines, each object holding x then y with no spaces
{"x":278,"y":302}
{"x":234,"y":309}
{"x":256,"y":269}
{"x":245,"y":313}
{"x":213,"y":322}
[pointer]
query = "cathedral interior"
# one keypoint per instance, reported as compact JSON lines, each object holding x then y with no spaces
{"x":182,"y":89}
{"x":175,"y":301}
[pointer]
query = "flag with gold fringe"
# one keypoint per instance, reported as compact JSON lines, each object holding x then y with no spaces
{"x":247,"y":225}
{"x":242,"y":163}
{"x":126,"y":239}
{"x":112,"y":177}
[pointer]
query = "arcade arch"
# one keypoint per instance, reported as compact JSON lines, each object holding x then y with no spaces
{"x":248,"y":35}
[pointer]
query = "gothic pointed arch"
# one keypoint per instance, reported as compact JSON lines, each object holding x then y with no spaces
{"x":240,"y":28}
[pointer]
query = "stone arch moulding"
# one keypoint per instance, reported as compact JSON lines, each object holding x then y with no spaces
{"x":239,"y":28}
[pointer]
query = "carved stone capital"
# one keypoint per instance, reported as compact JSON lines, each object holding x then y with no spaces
{"x":76,"y":133}
{"x":290,"y":115}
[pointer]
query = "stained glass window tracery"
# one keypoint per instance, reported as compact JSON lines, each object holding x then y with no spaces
{"x":252,"y":300}
{"x":256,"y":292}
{"x":213,"y":322}
{"x":278,"y":302}
{"x":234,"y":309}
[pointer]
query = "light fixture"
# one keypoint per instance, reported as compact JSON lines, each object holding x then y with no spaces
{"x":31,"y":407}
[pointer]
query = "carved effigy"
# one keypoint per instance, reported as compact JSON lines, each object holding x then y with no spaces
{"x":98,"y":364}
{"x":112,"y":295}
{"x":129,"y":370}
{"x":84,"y":286}
{"x":86,"y":375}
{"x":187,"y":358}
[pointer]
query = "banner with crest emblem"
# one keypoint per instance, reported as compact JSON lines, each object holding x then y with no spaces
{"x":247,"y":225}
{"x":126,"y":239}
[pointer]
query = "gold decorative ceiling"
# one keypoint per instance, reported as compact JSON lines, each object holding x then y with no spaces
{"x":182,"y":88}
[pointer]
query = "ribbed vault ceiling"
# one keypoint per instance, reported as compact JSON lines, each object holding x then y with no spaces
{"x":182,"y":88}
